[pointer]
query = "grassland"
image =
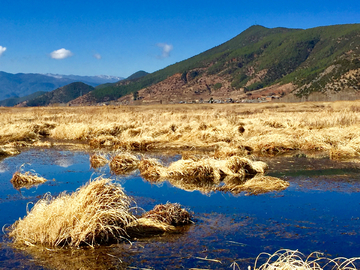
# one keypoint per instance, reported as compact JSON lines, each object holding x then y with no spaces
{"x":262,"y":129}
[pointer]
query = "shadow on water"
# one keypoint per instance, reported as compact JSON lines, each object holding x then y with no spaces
{"x":318,"y":212}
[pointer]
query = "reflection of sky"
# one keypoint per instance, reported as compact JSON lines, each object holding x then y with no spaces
{"x":64,"y":162}
{"x":3,"y":168}
{"x":226,"y":226}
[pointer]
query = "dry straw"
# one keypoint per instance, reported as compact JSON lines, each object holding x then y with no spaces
{"x":151,"y":169}
{"x":163,"y":218}
{"x":98,"y":160}
{"x":124,"y":163}
{"x":286,"y":259}
{"x":97,"y":212}
{"x":234,"y":174}
{"x":27,"y":179}
{"x":169,"y":213}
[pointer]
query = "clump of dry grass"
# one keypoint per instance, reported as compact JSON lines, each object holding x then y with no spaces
{"x":286,"y":259}
{"x":191,"y":170}
{"x":208,"y":174}
{"x":98,"y":160}
{"x":162,"y":218}
{"x":124,"y":163}
{"x":97,"y":212}
{"x":27,"y":179}
{"x":151,"y":169}
{"x":169,"y":213}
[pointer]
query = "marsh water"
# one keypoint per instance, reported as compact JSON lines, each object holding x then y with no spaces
{"x":319,"y":211}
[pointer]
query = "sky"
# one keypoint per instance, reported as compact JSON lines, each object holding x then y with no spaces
{"x":120,"y":38}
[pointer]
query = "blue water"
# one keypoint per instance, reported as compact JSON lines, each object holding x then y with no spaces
{"x":319,"y":212}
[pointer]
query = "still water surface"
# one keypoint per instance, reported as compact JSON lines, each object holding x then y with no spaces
{"x":320,"y":211}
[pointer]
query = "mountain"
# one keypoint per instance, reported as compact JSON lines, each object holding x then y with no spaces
{"x":89,"y":99}
{"x":137,"y":75}
{"x":9,"y":102}
{"x":61,"y":95}
{"x":277,"y":60}
{"x":21,"y":84}
{"x":90,"y":80}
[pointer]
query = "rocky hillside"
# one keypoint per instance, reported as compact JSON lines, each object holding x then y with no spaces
{"x":276,"y":61}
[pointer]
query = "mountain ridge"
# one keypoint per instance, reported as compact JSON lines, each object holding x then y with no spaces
{"x":22,"y":84}
{"x":257,"y":58}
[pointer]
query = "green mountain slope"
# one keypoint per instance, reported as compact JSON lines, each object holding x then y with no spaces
{"x":260,"y":57}
{"x":61,"y":95}
{"x":16,"y":100}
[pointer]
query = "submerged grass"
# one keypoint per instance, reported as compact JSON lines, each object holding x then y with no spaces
{"x":26,"y":179}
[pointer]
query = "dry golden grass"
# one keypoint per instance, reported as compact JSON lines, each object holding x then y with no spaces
{"x":151,"y":169}
{"x":234,"y":174}
{"x":124,"y":163}
{"x":285,"y":259}
{"x":169,"y":213}
{"x":233,"y":129}
{"x":98,"y":160}
{"x":97,"y":212}
{"x":26,"y":180}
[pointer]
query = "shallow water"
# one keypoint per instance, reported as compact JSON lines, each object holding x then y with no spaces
{"x":319,"y":212}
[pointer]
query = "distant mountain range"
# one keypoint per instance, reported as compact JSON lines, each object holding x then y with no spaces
{"x":290,"y":63}
{"x":21,"y":84}
{"x":62,"y":95}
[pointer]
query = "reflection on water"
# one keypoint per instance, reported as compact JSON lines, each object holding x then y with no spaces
{"x":318,"y":212}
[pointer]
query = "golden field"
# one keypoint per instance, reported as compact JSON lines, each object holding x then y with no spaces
{"x":265,"y":128}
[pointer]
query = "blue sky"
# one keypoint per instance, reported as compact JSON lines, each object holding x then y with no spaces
{"x":122,"y":37}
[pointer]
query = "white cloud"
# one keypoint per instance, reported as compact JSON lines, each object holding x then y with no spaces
{"x":61,"y":54}
{"x":166,"y":49}
{"x":2,"y":50}
{"x":97,"y":56}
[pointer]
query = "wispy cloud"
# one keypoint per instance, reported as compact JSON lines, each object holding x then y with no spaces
{"x":166,"y":49}
{"x":97,"y":56}
{"x":2,"y":50}
{"x":61,"y":54}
